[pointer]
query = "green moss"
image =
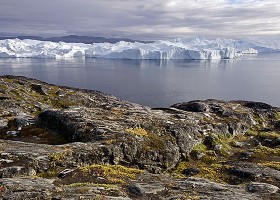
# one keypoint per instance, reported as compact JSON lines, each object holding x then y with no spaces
{"x":112,"y":172}
{"x":216,"y":172}
{"x":48,"y":174}
{"x":259,"y":120}
{"x":272,"y":164}
{"x":44,"y":136}
{"x":8,"y":80}
{"x":16,"y":93}
{"x":190,"y":197}
{"x":53,"y":91}
{"x":225,"y":140}
{"x":63,"y":104}
{"x":211,"y":154}
{"x":58,"y":156}
{"x":263,"y":152}
{"x":153,"y":142}
{"x":277,"y":116}
{"x":3,"y":87}
{"x":200,"y":147}
{"x":263,"y":135}
{"x":268,"y":135}
{"x":252,"y":132}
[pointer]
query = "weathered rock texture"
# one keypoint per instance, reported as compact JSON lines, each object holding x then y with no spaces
{"x":65,"y":143}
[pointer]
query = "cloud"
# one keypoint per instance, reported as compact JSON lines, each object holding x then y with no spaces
{"x":145,"y":19}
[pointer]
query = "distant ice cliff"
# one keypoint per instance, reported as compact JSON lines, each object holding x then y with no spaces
{"x":182,"y":48}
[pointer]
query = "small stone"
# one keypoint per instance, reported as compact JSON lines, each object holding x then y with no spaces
{"x":64,"y":173}
{"x":31,"y":172}
{"x":191,"y":171}
{"x":12,"y":133}
{"x":101,"y":178}
{"x":277,"y":142}
{"x":246,"y":155}
{"x":218,"y":147}
{"x":262,"y":188}
{"x":268,"y":142}
{"x":198,"y":155}
{"x":6,"y":161}
{"x":209,"y":141}
{"x":238,"y":144}
{"x":21,"y":122}
{"x":3,"y":124}
{"x":134,"y":190}
{"x":277,"y":125}
{"x":38,"y":89}
{"x":5,"y":155}
{"x":257,"y":142}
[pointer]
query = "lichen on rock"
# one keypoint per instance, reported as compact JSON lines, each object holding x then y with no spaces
{"x":61,"y":142}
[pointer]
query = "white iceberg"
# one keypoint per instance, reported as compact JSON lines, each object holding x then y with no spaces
{"x":182,"y":48}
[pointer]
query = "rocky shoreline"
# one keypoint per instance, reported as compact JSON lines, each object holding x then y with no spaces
{"x":66,"y":143}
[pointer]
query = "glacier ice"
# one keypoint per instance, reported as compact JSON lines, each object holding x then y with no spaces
{"x":181,"y":48}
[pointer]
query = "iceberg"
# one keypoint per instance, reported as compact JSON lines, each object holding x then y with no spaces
{"x":195,"y":48}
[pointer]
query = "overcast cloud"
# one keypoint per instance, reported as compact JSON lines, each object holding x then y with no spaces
{"x":141,"y":19}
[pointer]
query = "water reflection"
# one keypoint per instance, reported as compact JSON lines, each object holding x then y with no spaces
{"x":160,"y":82}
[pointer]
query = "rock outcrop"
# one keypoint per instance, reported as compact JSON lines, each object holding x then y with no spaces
{"x":66,"y":143}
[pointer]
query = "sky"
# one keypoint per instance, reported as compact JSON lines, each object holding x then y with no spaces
{"x":140,"y":19}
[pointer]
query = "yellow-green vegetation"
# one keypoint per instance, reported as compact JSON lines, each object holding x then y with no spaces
{"x":137,"y":131}
{"x":216,"y":172}
{"x":263,"y":151}
{"x":53,"y":100}
{"x":209,"y":156}
{"x":153,"y":142}
{"x":2,"y":146}
{"x":190,"y":196}
{"x":211,"y":164}
{"x":225,"y":140}
{"x":113,"y":173}
{"x":116,"y":181}
{"x":45,"y":136}
{"x":58,"y":156}
{"x":88,"y":184}
{"x":111,"y":141}
{"x":200,"y":147}
{"x":3,"y":87}
{"x":8,"y":80}
{"x":16,"y":93}
{"x":48,"y":174}
{"x":53,"y":91}
{"x":271,"y":164}
{"x":263,"y":135}
{"x":210,"y":153}
{"x":252,"y":132}
{"x":277,"y":116}
{"x":259,"y":120}
{"x":62,"y":103}
{"x":118,"y":111}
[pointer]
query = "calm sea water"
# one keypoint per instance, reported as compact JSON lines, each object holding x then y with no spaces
{"x":161,"y":83}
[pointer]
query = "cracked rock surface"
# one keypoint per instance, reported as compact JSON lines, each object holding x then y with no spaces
{"x":65,"y":143}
